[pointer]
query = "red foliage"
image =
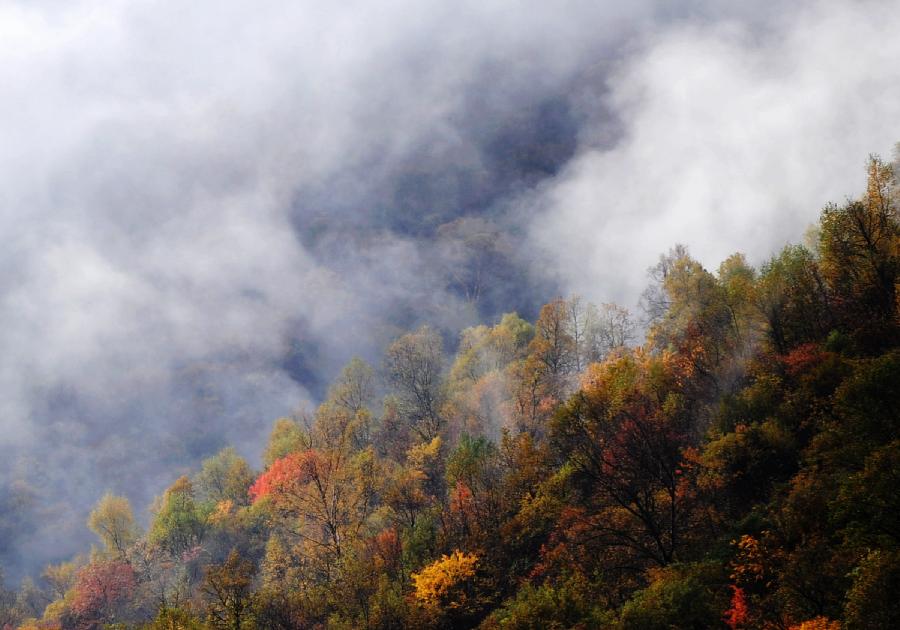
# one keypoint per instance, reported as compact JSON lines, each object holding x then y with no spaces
{"x":802,"y":358}
{"x":461,"y":500}
{"x":567,"y":544}
{"x":386,"y":550}
{"x":101,"y":588}
{"x":292,"y":469}
{"x":737,"y":616}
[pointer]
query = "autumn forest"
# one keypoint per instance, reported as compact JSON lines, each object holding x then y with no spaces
{"x":727,"y":457}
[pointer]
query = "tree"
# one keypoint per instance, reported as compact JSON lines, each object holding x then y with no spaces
{"x":9,"y":614}
{"x":442,"y":584}
{"x":287,"y":436}
{"x":655,"y":300}
{"x":553,"y":343}
{"x":337,"y":427}
{"x":113,"y":522}
{"x":228,"y":588}
{"x":868,"y":503}
{"x":179,"y":524}
{"x":405,"y":493}
{"x":473,"y":474}
{"x":480,"y":399}
{"x":535,"y":394}
{"x":31,"y":600}
{"x":174,"y":619}
{"x":224,"y":477}
{"x":741,"y":467}
{"x":511,"y":337}
{"x":483,"y":349}
{"x":354,"y":387}
{"x":321,"y":497}
{"x":60,"y":577}
{"x":698,"y":323}
{"x":474,"y":252}
{"x":858,"y":243}
{"x":872,"y":599}
{"x":607,"y":327}
{"x":482,"y":407}
{"x":677,"y":597}
{"x":579,"y":313}
{"x":414,"y":365}
{"x":738,"y":280}
{"x":286,"y":599}
{"x":818,"y":623}
{"x":567,"y":603}
{"x":103,"y":590}
{"x":410,"y":489}
{"x":624,"y":435}
{"x":792,"y":298}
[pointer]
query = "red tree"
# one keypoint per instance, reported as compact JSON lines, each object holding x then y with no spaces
{"x":737,"y":616}
{"x":285,"y":473}
{"x":102,"y":589}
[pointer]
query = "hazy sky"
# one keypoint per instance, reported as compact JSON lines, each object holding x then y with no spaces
{"x":208,"y":207}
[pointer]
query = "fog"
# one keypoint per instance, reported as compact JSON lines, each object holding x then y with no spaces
{"x":209,"y":208}
{"x":736,"y":135}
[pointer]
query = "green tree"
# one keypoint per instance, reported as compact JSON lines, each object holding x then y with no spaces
{"x":174,"y":619}
{"x":179,"y":523}
{"x":872,"y":602}
{"x":678,"y":598}
{"x":792,"y":298}
{"x":287,"y":437}
{"x":226,"y":476}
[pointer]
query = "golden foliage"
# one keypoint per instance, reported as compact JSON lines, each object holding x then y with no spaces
{"x":819,"y":623}
{"x":439,"y":579}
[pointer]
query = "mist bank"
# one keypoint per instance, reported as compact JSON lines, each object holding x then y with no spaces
{"x":210,"y":209}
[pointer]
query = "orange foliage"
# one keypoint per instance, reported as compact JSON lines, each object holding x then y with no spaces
{"x":386,"y":550}
{"x":748,"y":567}
{"x":737,"y":616}
{"x":461,"y":500}
{"x":284,"y":473}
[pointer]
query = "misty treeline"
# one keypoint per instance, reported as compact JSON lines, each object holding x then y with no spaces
{"x":736,"y":469}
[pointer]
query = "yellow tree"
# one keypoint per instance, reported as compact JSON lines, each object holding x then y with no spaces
{"x":322,"y":497}
{"x":113,"y":521}
{"x":229,"y":591}
{"x":553,"y":343}
{"x":443,"y":583}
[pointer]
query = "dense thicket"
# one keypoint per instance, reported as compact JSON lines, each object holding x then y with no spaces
{"x":738,"y":469}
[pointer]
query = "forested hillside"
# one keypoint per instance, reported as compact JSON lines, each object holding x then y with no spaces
{"x":737,"y":467}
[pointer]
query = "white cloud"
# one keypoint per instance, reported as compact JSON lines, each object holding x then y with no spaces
{"x":155,"y":159}
{"x":734,"y":138}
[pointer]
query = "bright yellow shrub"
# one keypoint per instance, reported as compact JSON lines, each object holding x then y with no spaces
{"x":439,"y":578}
